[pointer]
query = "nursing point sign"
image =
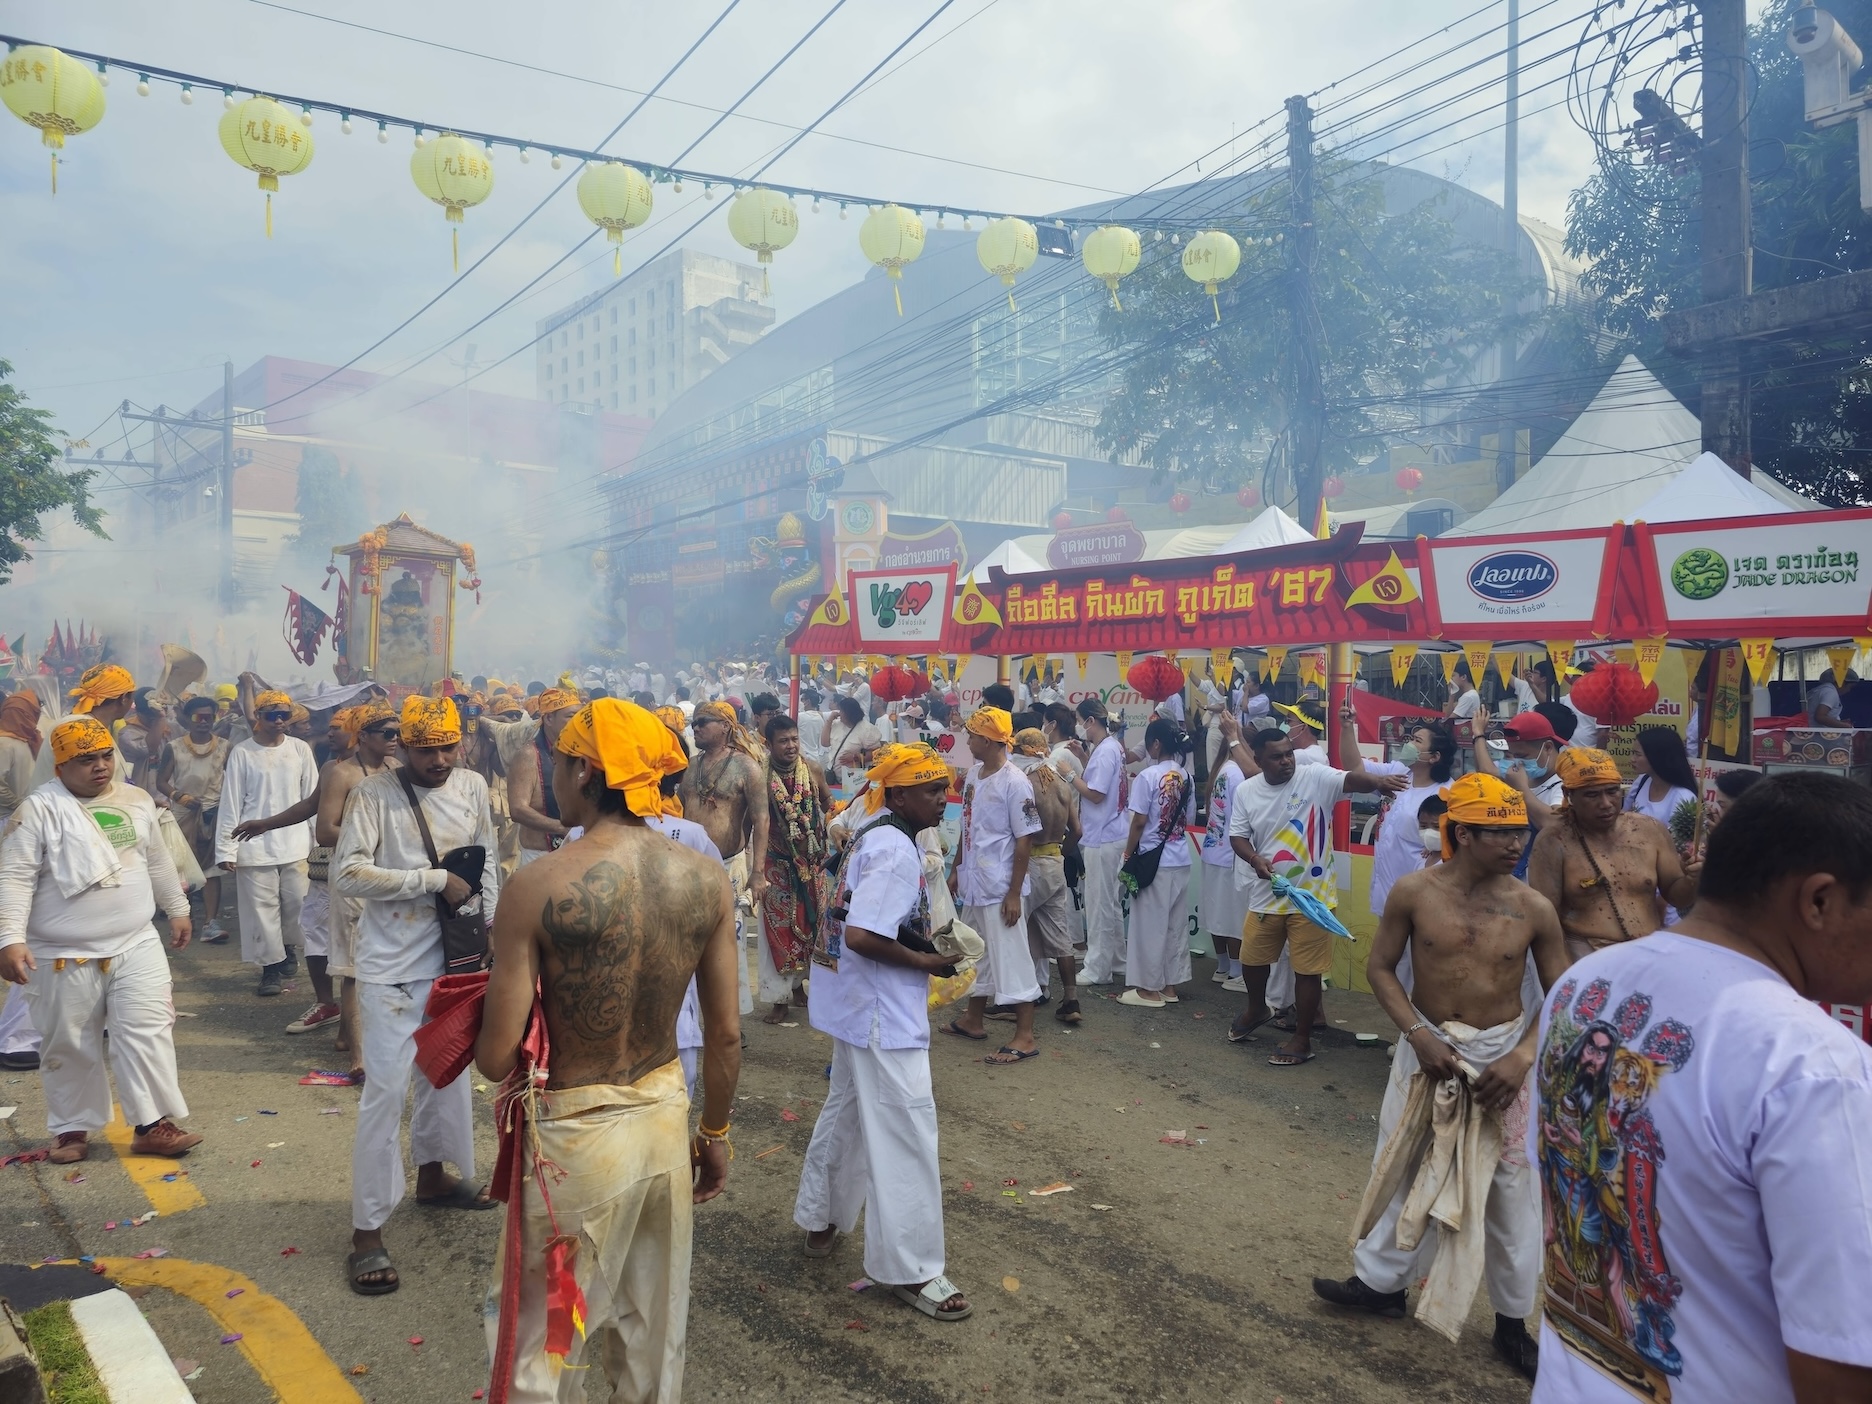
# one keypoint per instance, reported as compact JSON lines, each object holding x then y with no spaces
{"x":894,"y":609}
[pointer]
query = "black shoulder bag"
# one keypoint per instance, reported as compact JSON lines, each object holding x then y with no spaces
{"x":1140,"y":869}
{"x":464,"y":934}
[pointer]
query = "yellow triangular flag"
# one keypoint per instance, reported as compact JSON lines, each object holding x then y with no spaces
{"x":1841,"y":658}
{"x":1124,"y":666}
{"x":1082,"y":659}
{"x":973,"y":608}
{"x":962,"y":661}
{"x":1308,"y":666}
{"x":1759,"y":654}
{"x":1627,"y":656}
{"x":1219,"y":664}
{"x":1449,"y":661}
{"x":1650,"y":652}
{"x":1275,"y":661}
{"x":1402,"y":656}
{"x":844,"y":667}
{"x":1560,"y":654}
{"x":1389,"y":588}
{"x":1478,"y":656}
{"x":831,"y":612}
{"x":1693,"y":660}
{"x":1863,"y":643}
{"x":1507,"y":664}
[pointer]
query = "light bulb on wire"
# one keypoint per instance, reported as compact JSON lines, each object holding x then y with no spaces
{"x":188,"y":95}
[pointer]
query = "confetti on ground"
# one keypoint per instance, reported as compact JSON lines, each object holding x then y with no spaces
{"x":235,"y":1291}
{"x":360,"y":1369}
{"x":415,"y":1340}
{"x":769,"y":1151}
{"x":788,"y":1114}
{"x":1058,"y":1187}
{"x":24,"y":1157}
{"x":240,"y":1118}
{"x":254,"y":1166}
{"x":855,"y":1325}
{"x":331,"y":1111}
{"x":175,"y":1175}
{"x":1018,"y":1125}
{"x":1010,"y":1194}
{"x":1175,"y":1138}
{"x":98,"y":1269}
{"x":288,"y":1252}
{"x":1201,"y":1127}
{"x":144,"y":1218}
{"x":75,"y":1178}
{"x":968,"y":1184}
{"x":185,"y":1368}
{"x":230,"y":1338}
{"x":860,"y":1284}
{"x":1197,"y":1014}
{"x":1102,"y":1208}
{"x":789,"y":1026}
{"x":109,"y":1226}
{"x":154,"y":1253}
{"x":322,"y":1077}
{"x":265,"y":1112}
{"x":479,"y":1086}
{"x":1156,"y":1045}
{"x":1010,"y":1284}
{"x":479,"y":1394}
{"x":275,"y":1145}
{"x":1010,"y":1183}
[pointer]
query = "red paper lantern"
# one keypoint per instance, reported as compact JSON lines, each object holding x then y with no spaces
{"x":895,"y":683}
{"x":1333,"y":487}
{"x":1179,"y":502}
{"x":1155,"y":677}
{"x":1249,"y":497}
{"x":1614,"y":694}
{"x":1115,"y":514}
{"x":1062,"y":520}
{"x":1409,"y":479}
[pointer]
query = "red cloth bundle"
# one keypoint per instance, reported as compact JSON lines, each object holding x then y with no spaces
{"x":445,"y":1043}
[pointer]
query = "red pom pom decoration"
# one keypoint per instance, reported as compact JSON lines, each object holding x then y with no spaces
{"x":1249,"y":497}
{"x":1179,"y":502}
{"x":895,"y":683}
{"x":1409,"y":479}
{"x":1614,"y":694}
{"x":1333,"y":487}
{"x":1155,"y":677}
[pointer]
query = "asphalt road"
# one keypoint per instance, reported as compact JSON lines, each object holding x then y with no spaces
{"x":1169,"y":1270}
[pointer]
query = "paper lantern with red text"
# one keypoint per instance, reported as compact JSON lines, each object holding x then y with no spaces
{"x":1614,"y":694}
{"x":895,"y":683}
{"x":1155,"y":677}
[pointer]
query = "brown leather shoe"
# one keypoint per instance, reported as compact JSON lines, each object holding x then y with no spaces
{"x":72,"y":1147}
{"x":164,"y":1138}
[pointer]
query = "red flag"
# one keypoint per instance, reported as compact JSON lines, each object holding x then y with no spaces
{"x":565,"y":1303}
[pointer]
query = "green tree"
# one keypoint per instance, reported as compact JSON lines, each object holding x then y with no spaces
{"x":31,"y":481}
{"x":1640,"y":227}
{"x":330,"y":506}
{"x":1403,"y":305}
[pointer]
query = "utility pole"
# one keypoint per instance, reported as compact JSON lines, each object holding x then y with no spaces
{"x":1308,"y":413}
{"x":1511,"y":240}
{"x":224,"y":490}
{"x":1728,"y":262}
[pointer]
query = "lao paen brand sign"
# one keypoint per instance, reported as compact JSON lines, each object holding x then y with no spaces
{"x":895,"y":609}
{"x":1503,"y":588}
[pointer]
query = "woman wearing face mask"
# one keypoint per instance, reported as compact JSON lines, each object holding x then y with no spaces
{"x":1427,"y":754}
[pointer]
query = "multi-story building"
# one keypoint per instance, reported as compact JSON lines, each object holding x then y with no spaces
{"x":638,"y":344}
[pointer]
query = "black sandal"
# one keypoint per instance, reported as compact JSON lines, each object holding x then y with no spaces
{"x":1068,"y":1013}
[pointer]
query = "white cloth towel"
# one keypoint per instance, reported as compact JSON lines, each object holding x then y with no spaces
{"x":76,"y":852}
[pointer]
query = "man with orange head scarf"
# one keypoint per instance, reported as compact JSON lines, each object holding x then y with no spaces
{"x":529,"y":778}
{"x":608,"y":930}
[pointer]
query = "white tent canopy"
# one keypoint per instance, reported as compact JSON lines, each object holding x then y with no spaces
{"x":1710,"y":488}
{"x":1011,"y":557}
{"x":1631,"y":443}
{"x":1272,"y":528}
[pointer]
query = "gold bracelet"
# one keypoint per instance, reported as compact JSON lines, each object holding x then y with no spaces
{"x":709,"y":1135}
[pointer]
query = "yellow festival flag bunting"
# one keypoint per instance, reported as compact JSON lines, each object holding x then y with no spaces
{"x":1560,"y":654}
{"x":1449,"y":661}
{"x":1124,"y":666}
{"x":1219,"y":664}
{"x":1081,"y":660}
{"x":1726,"y":713}
{"x":1388,"y":589}
{"x":974,"y":609}
{"x":1402,"y":657}
{"x":1507,"y":664}
{"x":1759,"y":654}
{"x":1308,"y":666}
{"x":1650,"y":653}
{"x":1841,"y":658}
{"x":1478,"y":656}
{"x":1276,"y":660}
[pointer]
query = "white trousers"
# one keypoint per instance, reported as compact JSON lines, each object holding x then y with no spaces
{"x":269,"y":899}
{"x":442,"y":1125}
{"x":1105,"y":923}
{"x":775,"y":988}
{"x":17,"y":1034}
{"x":874,"y":1149}
{"x":315,"y":917}
{"x":1157,"y":950}
{"x":743,"y":918}
{"x":1006,"y":972}
{"x":71,"y":1007}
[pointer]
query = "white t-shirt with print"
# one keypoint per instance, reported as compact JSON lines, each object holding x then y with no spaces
{"x":1467,"y":705}
{"x":1105,"y":772}
{"x":1154,"y":790}
{"x":997,"y":809}
{"x":1215,"y":845}
{"x":1399,"y":849}
{"x":866,"y":1002}
{"x":1290,"y":826}
{"x":1701,"y":1139}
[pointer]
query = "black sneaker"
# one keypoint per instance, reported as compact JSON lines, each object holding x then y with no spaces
{"x":270,"y":976}
{"x":1519,"y":1350}
{"x":1353,"y":1292}
{"x":289,"y":967}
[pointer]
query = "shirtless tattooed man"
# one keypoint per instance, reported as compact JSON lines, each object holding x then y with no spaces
{"x":1469,"y":925}
{"x":725,"y":791}
{"x":1609,"y":873}
{"x":612,"y":926}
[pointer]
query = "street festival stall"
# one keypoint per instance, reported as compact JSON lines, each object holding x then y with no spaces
{"x":1663,"y":596}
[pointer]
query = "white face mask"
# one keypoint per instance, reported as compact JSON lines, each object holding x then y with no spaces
{"x":1431,"y":839}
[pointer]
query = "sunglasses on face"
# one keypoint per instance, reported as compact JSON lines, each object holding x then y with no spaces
{"x":382,"y":733}
{"x":275,"y":716}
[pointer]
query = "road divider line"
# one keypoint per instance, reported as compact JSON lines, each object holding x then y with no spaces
{"x":166,"y":1197}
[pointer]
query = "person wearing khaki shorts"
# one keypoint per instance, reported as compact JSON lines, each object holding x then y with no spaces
{"x":1266,"y":934}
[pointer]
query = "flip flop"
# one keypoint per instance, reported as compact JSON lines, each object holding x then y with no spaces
{"x":1237,"y":1035}
{"x":461,"y":1197}
{"x":371,"y":1260}
{"x":929,"y":1299}
{"x":952,"y":1029}
{"x":1282,"y":1059}
{"x":1005,"y":1057}
{"x":1068,"y":1013}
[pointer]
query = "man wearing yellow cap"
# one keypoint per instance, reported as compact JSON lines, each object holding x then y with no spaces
{"x":610,"y":929}
{"x":1608,"y":871}
{"x":990,"y":883}
{"x":393,"y":822}
{"x":873,"y":1149}
{"x":81,"y":869}
{"x":1469,"y":926}
{"x":267,"y":774}
{"x":529,"y":778}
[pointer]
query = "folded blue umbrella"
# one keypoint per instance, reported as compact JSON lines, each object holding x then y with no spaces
{"x":1310,"y":907}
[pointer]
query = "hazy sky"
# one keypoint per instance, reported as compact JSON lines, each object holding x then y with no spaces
{"x":151,"y":264}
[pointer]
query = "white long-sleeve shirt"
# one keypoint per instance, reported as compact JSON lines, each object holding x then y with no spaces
{"x":100,"y":922}
{"x":380,"y":858}
{"x":260,"y":781}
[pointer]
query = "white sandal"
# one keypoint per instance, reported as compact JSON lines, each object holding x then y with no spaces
{"x":930,"y":1298}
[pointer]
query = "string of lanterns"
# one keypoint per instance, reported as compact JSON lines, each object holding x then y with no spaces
{"x":62,"y":95}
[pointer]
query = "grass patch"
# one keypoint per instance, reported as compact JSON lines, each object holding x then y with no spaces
{"x":70,"y":1378}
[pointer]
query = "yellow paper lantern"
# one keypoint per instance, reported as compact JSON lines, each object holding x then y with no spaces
{"x":52,"y":91}
{"x":266,"y":138}
{"x":615,"y":197}
{"x":1211,"y":258}
{"x":763,"y":220}
{"x":1007,"y":248}
{"x":456,"y":174}
{"x":892,"y":236}
{"x":1110,"y":252}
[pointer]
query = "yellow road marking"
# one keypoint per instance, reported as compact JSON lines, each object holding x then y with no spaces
{"x":275,"y":1342}
{"x":165,"y":1196}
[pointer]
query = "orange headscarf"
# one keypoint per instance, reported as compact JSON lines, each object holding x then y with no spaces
{"x":720,"y":711}
{"x":80,"y":736}
{"x":430,"y":721}
{"x":19,"y":716}
{"x":898,"y":765}
{"x":556,"y":699}
{"x":1482,"y":801}
{"x":1586,"y":768}
{"x":992,"y":724}
{"x":101,"y":684}
{"x":632,"y":746}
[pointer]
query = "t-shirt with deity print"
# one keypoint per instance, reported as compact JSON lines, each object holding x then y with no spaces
{"x":1215,"y":845}
{"x":1290,"y":826}
{"x":1154,"y":794}
{"x":1700,"y":1137}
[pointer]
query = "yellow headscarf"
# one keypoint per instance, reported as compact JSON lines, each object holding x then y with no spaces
{"x":633,"y":747}
{"x":738,"y":737}
{"x":300,"y":713}
{"x":992,"y":723}
{"x":1586,"y":768}
{"x":101,"y":684}
{"x":897,"y":765}
{"x":1483,"y":801}
{"x":1030,"y":741}
{"x":673,"y":718}
{"x":429,"y":721}
{"x":272,"y":699}
{"x":557,"y":699}
{"x":80,"y":736}
{"x":355,"y":719}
